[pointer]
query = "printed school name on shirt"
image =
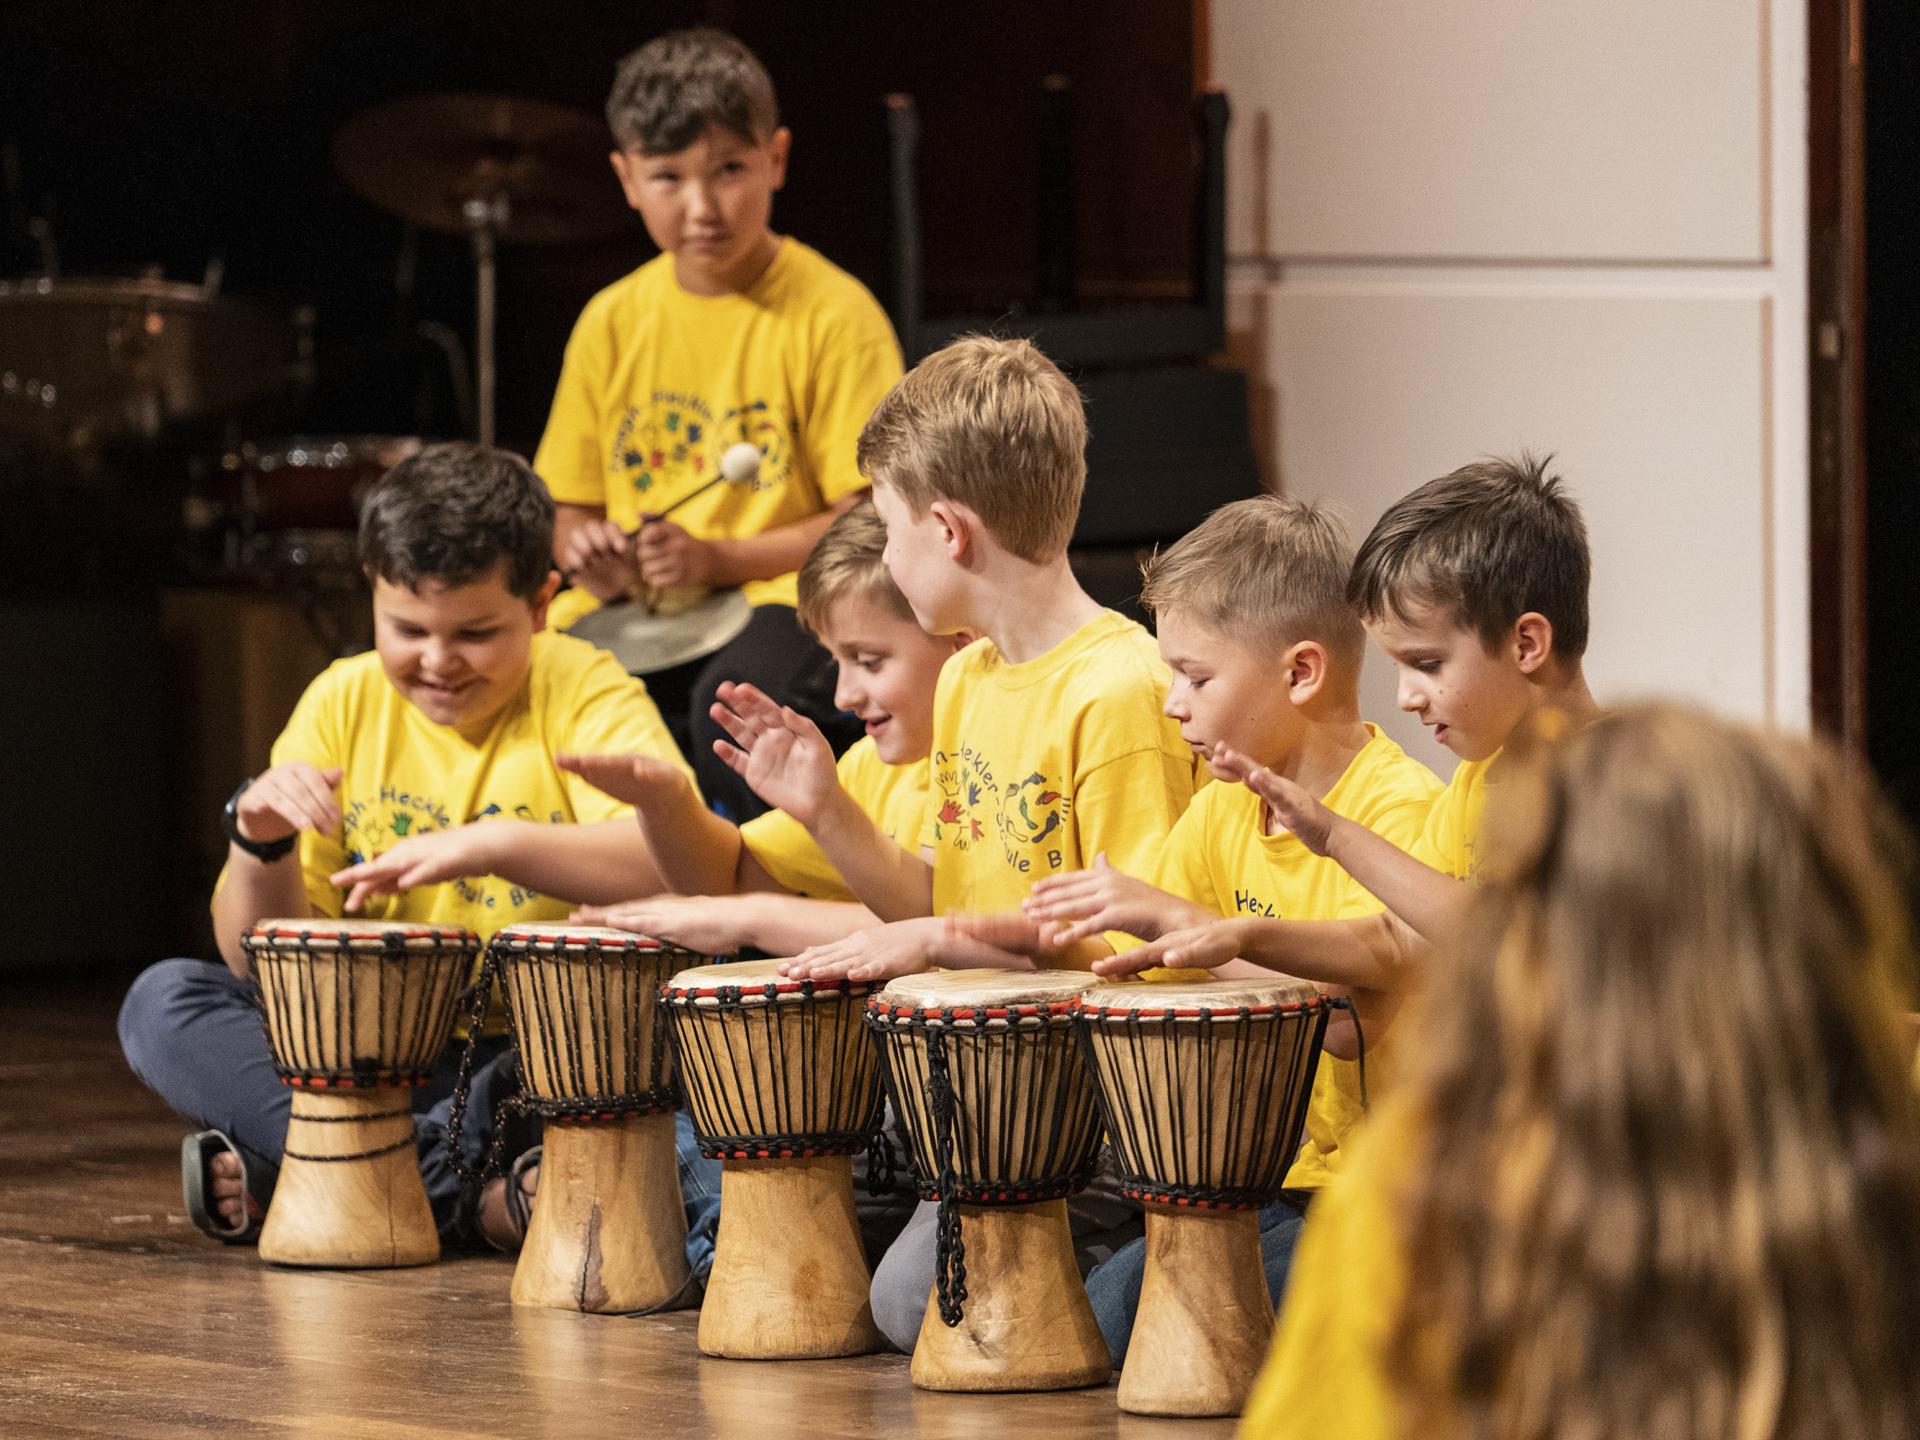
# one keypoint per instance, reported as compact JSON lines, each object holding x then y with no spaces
{"x":1026,"y":817}
{"x":375,"y":826}
{"x":673,"y":442}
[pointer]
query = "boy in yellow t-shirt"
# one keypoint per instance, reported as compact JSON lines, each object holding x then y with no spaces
{"x":732,"y":335}
{"x":1475,"y":585}
{"x":413,"y":783}
{"x":1049,"y":747}
{"x":1252,"y":617}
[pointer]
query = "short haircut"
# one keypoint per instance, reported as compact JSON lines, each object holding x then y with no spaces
{"x":1267,"y":572}
{"x":668,"y":92}
{"x":454,"y":513}
{"x":1487,"y":544}
{"x":993,"y":424}
{"x":847,"y":561}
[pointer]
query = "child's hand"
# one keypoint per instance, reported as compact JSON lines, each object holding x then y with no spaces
{"x":430,"y":859}
{"x":599,"y":558}
{"x":1200,"y":948}
{"x":1296,"y":812}
{"x":780,"y":753}
{"x":1080,"y":903}
{"x":1013,"y":932}
{"x":639,"y":780}
{"x":707,"y":924}
{"x":667,"y":556}
{"x":287,"y":799}
{"x":875,"y":955}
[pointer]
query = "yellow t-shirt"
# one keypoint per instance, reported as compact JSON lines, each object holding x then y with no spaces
{"x":1450,"y":843}
{"x":1326,"y":1374}
{"x":405,"y":775}
{"x":893,"y":796}
{"x":1217,"y":857}
{"x":1038,"y":767}
{"x":658,"y":384}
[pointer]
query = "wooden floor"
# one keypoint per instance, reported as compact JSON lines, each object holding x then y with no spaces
{"x":117,"y":1318}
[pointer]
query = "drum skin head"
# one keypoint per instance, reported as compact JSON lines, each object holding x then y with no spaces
{"x":322,"y":933}
{"x":984,"y":989}
{"x":701,"y":985}
{"x":1226,"y":996}
{"x":559,"y":937}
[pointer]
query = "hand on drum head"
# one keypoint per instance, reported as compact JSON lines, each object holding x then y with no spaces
{"x":780,"y":753}
{"x":878,"y":953}
{"x":429,"y":859}
{"x":1294,"y":810}
{"x":667,"y":556}
{"x":707,"y":924}
{"x":1201,"y":947}
{"x":1083,"y":903}
{"x":639,"y":780}
{"x":287,"y":799}
{"x":599,"y":557}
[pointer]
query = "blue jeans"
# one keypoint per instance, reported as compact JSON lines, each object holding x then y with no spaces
{"x":1114,"y":1288}
{"x":192,"y":1032}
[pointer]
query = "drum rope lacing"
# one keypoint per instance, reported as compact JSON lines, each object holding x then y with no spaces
{"x":294,"y":1017}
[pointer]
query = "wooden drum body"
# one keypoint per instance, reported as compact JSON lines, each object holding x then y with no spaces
{"x":1204,"y":1089}
{"x":356,"y":1014}
{"x":782,"y":1083}
{"x":608,"y":1232}
{"x":990,"y":1084}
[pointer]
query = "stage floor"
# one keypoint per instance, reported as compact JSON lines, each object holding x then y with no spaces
{"x":117,"y":1318}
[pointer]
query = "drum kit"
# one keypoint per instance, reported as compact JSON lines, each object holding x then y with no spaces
{"x":1004,"y":1085}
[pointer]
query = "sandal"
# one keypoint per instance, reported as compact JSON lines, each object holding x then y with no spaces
{"x":196,"y":1182}
{"x":519,"y":1202}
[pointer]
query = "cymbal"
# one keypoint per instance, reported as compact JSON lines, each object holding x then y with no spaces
{"x":646,"y":641}
{"x":544,"y":166}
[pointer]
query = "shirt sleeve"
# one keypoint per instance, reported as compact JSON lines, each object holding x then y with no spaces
{"x":569,"y":458}
{"x":859,"y":362}
{"x":315,"y":733}
{"x":609,"y":712}
{"x":1126,"y":807}
{"x":790,"y":855}
{"x":1184,"y":867}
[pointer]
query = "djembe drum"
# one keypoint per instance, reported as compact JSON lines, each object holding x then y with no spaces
{"x":356,"y":1014}
{"x":998,"y":1106}
{"x":782,"y":1083}
{"x":608,"y":1232}
{"x":1204,"y":1090}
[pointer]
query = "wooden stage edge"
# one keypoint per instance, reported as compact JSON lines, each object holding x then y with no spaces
{"x":117,"y":1318}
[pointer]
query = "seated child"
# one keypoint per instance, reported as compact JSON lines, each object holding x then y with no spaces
{"x":413,"y":783}
{"x":1252,"y":616}
{"x":1475,"y":585}
{"x":732,"y":335}
{"x":1049,"y":747}
{"x":1655,"y":1169}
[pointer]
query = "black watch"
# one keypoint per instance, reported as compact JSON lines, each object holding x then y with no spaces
{"x":266,"y":851}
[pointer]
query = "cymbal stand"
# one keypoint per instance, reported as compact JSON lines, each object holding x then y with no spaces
{"x":486,"y":215}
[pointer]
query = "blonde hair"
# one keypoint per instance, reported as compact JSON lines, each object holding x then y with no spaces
{"x":847,"y":560}
{"x":1267,"y":572}
{"x":993,"y":424}
{"x":1668,"y":1180}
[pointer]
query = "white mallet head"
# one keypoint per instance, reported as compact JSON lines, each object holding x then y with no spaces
{"x":741,"y":462}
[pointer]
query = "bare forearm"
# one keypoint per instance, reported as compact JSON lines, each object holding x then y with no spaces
{"x":1376,"y":953}
{"x":694,"y":850}
{"x":1431,"y":903}
{"x":771,"y":552}
{"x":893,"y":882}
{"x":596,"y":864}
{"x":788,"y":924}
{"x":255,"y":891}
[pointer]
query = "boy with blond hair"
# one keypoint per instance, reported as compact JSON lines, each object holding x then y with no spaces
{"x":1252,"y":618}
{"x":1049,"y":746}
{"x":1475,"y":586}
{"x":733,"y":334}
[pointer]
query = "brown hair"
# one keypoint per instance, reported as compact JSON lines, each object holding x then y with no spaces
{"x":453,"y":512}
{"x":669,"y":91}
{"x":1487,"y":543}
{"x":1668,"y":1173}
{"x":1267,"y":572}
{"x":993,"y":424}
{"x":846,"y":560}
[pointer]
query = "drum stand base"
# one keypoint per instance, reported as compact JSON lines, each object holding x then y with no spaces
{"x":789,"y":1278}
{"x":1204,"y":1321}
{"x":1027,"y":1324}
{"x":608,"y":1233}
{"x":365,"y":1212}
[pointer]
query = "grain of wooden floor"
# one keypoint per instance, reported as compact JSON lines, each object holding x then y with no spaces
{"x":118,"y":1319}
